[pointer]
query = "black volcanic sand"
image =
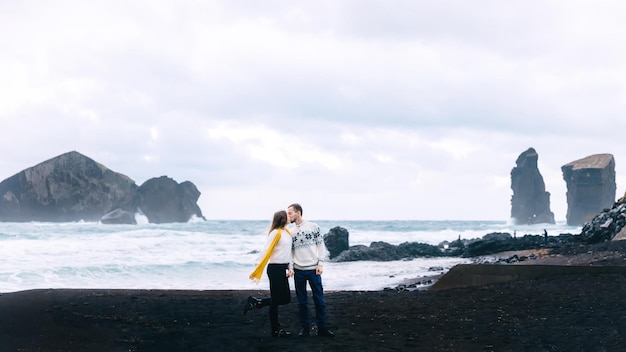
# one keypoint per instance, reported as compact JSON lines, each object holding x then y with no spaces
{"x":562,"y":313}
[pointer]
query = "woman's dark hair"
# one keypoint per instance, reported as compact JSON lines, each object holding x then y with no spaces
{"x":279,"y":221}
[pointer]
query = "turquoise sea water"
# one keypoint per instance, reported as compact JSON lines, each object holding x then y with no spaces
{"x":209,"y":255}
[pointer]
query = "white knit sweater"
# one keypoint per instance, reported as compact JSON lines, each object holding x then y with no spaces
{"x":282,"y":250}
{"x":309,"y":250}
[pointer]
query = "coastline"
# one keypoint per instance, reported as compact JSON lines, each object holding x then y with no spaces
{"x":575,"y":304}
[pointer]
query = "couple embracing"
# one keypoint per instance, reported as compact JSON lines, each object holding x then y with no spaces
{"x":299,"y":252}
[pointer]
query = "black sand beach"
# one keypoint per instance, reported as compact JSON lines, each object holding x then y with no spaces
{"x":567,"y":299}
{"x":570,"y":312}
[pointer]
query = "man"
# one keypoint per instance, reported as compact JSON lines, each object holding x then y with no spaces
{"x":309,"y":253}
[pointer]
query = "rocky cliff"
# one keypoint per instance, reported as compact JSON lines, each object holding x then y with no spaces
{"x":73,"y":187}
{"x":590,"y":187}
{"x":164,"y":200}
{"x":530,"y":203}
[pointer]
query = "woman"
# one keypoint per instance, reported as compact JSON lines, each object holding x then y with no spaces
{"x":277,"y":252}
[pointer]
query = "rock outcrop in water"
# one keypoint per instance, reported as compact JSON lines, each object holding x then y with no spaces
{"x":337,"y":241}
{"x":164,"y":200}
{"x":530,"y":203}
{"x":73,"y":187}
{"x":383,"y":251}
{"x":119,"y":217}
{"x":490,"y":243}
{"x":590,"y":187}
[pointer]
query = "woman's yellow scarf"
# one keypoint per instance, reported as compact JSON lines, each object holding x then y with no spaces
{"x":258,"y":271}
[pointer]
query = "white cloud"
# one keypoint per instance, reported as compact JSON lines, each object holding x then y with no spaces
{"x":355,"y":109}
{"x":458,"y":148}
{"x":276,"y":147}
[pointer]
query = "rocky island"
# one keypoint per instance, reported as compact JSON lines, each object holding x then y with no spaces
{"x":74,"y":187}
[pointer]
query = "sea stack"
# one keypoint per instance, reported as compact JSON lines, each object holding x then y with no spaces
{"x":73,"y":187}
{"x":590,"y":187}
{"x":69,"y":187}
{"x":530,"y":203}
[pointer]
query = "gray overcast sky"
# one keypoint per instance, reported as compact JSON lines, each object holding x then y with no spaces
{"x":356,"y":109}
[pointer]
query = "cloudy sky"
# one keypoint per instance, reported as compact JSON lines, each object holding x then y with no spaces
{"x":356,"y":109}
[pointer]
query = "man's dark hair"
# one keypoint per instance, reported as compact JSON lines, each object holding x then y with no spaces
{"x":297,"y":207}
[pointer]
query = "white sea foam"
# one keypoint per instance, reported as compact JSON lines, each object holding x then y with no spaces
{"x":205,"y":254}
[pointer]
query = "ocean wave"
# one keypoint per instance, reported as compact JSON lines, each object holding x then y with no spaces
{"x":206,"y":254}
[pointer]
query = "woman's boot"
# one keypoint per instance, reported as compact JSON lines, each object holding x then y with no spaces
{"x":251,"y":303}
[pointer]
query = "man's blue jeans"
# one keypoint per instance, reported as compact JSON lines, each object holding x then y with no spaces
{"x":301,"y":277}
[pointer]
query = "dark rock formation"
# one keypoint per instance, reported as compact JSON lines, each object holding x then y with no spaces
{"x":163,"y":200}
{"x":490,"y":243}
{"x":119,"y":217}
{"x":69,"y":187}
{"x":606,"y":225}
{"x":530,"y":203}
{"x":590,"y":187}
{"x":501,"y":242}
{"x":383,"y":251}
{"x":73,"y":187}
{"x":336,"y":241}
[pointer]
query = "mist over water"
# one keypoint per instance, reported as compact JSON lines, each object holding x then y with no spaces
{"x":209,"y":255}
